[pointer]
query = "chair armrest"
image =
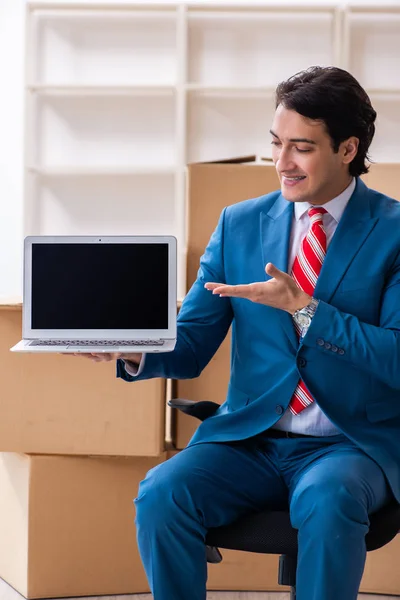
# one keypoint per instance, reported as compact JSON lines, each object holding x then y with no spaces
{"x":213,"y":555}
{"x":200,"y":410}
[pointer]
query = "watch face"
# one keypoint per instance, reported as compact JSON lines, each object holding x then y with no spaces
{"x":303,"y":320}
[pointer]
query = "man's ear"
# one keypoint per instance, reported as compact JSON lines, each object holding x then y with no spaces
{"x":349,"y":149}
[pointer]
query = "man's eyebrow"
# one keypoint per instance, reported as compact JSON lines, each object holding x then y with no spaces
{"x":295,"y":140}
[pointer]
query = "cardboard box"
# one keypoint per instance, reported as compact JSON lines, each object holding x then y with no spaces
{"x":248,"y":571}
{"x":53,"y":404}
{"x":381,"y":573}
{"x":67,"y":530}
{"x":67,"y":525}
{"x":211,"y":187}
{"x":211,"y":385}
{"x":245,"y":571}
{"x":384,"y":178}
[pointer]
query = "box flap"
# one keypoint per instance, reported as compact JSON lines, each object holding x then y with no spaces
{"x":235,"y":160}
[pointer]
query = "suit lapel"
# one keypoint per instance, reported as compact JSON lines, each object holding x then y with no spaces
{"x":353,"y":229}
{"x":275,"y":227}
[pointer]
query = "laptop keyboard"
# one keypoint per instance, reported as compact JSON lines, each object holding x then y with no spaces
{"x":97,"y":343}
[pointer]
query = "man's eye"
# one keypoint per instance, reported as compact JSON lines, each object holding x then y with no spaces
{"x":300,"y":150}
{"x":273,"y":143}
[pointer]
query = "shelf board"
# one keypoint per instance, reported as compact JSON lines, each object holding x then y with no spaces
{"x":103,"y":90}
{"x":230,"y":90}
{"x":59,"y":171}
{"x":281,"y":9}
{"x":165,"y":6}
{"x":370,"y":6}
{"x":168,"y":90}
{"x":79,"y":10}
{"x":384,"y":93}
{"x":155,"y":9}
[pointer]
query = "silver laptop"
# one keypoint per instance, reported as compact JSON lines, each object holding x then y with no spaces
{"x":99,"y":294}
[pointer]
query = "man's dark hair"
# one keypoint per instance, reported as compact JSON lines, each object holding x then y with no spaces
{"x":335,"y":97}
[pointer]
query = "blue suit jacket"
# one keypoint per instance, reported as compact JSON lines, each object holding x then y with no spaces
{"x":350,"y":356}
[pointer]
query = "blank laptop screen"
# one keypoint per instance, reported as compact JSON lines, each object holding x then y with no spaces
{"x":99,"y":286}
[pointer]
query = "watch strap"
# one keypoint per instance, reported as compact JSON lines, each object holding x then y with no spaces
{"x":308,"y":310}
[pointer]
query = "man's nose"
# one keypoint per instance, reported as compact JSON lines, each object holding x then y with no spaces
{"x":285,"y":162}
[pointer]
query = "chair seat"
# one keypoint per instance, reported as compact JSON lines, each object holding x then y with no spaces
{"x":270,"y":532}
{"x":384,"y":526}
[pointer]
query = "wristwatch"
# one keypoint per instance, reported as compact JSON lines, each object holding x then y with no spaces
{"x":302,"y":317}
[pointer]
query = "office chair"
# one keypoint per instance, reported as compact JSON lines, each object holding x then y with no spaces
{"x":270,"y":532}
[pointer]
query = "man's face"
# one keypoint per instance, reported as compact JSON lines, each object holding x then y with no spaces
{"x":308,"y":168}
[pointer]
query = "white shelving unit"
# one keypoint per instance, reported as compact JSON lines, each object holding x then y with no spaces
{"x":119,"y":98}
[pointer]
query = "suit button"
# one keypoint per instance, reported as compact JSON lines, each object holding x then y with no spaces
{"x":334,"y":348}
{"x":327,"y":345}
{"x":279,"y":409}
{"x":320,"y":342}
{"x":302,"y":362}
{"x":341,"y":351}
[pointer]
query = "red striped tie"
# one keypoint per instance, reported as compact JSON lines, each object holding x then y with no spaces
{"x":305,"y":272}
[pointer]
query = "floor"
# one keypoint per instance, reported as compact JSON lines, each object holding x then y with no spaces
{"x":8,"y":593}
{"x":259,"y":596}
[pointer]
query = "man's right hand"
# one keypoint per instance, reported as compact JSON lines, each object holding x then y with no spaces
{"x":110,"y":356}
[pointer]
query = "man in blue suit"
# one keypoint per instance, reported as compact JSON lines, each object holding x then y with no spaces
{"x":309,"y":279}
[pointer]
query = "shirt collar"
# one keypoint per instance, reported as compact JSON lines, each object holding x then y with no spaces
{"x":334,"y":207}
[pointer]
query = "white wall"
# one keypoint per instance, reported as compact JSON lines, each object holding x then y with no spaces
{"x":11,"y":144}
{"x":12,"y":23}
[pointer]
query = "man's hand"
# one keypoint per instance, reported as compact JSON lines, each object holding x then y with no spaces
{"x":279,"y":292}
{"x":109,"y":356}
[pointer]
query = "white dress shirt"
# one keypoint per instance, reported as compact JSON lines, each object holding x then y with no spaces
{"x":134,"y":370}
{"x":311,"y":421}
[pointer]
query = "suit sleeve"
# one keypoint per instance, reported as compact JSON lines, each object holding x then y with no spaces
{"x":202,"y":324}
{"x":374,"y":349}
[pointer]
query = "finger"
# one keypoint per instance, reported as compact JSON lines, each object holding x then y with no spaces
{"x":102,"y":356}
{"x":274,"y":272}
{"x":236,"y":291}
{"x":93,"y":356}
{"x":109,"y":356}
{"x":229,"y":290}
{"x":84,"y":354}
{"x":211,"y":285}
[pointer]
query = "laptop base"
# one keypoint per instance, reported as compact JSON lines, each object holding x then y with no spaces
{"x":25,"y":346}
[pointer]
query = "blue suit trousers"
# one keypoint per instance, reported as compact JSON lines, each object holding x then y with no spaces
{"x":330,"y":485}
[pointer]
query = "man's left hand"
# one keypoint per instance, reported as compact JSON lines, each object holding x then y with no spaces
{"x":281,"y":291}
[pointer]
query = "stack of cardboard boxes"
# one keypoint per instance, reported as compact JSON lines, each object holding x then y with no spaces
{"x":75,"y":442}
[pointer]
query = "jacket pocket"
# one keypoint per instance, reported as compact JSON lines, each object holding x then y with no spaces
{"x":382,"y":411}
